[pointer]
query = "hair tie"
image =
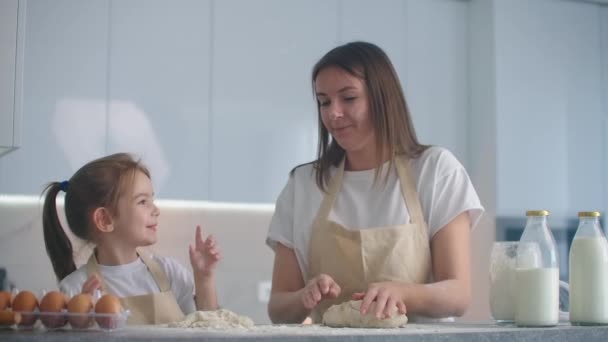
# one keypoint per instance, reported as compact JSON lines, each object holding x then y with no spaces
{"x":63,"y":186}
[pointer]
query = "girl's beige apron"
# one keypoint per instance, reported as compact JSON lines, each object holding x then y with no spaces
{"x":355,"y":257}
{"x":153,"y":308}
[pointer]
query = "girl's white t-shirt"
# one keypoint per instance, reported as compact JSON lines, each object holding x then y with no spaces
{"x":443,"y":186}
{"x":134,"y":279}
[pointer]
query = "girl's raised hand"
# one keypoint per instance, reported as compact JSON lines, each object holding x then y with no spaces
{"x":204,"y":256}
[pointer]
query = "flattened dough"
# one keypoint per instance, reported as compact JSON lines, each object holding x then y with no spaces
{"x":347,"y":314}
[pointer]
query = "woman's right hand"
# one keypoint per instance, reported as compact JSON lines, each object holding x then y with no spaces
{"x":317,"y":289}
{"x":92,"y":284}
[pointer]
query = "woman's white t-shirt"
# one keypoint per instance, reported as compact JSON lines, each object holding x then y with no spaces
{"x":443,"y":186}
{"x":135,"y":279}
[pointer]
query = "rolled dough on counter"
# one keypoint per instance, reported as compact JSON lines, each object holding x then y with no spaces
{"x":347,"y":314}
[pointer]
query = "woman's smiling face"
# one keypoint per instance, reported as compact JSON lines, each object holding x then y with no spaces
{"x":344,"y":106}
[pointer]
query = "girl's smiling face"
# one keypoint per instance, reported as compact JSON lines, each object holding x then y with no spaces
{"x":137,"y":218}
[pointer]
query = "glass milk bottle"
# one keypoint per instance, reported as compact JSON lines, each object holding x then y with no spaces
{"x":536,"y":274}
{"x":589,"y":272}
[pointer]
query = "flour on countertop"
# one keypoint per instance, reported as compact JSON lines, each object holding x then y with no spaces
{"x":218,"y":319}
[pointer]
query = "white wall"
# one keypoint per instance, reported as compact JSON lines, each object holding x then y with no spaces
{"x":263,"y":115}
{"x":604,"y":54}
{"x":158,"y":81}
{"x":8,"y":32}
{"x":64,"y":107}
{"x":216,"y":95}
{"x":482,"y":144}
{"x":551,"y":136}
{"x":12,"y":33}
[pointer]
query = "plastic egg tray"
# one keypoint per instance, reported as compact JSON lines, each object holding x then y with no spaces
{"x":70,"y":321}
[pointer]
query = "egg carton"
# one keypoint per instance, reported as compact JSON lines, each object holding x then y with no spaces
{"x":65,"y":320}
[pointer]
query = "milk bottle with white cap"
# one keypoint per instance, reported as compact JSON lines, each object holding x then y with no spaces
{"x":589,"y":272}
{"x":536,"y":274}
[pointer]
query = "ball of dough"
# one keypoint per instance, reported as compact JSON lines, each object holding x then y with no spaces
{"x":347,"y":314}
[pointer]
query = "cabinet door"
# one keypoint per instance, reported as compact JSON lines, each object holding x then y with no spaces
{"x":160,"y":74}
{"x":549,"y":97}
{"x":64,"y":93}
{"x":436,"y":84}
{"x":263,"y":112}
{"x":8,"y":47}
{"x":426,"y":41}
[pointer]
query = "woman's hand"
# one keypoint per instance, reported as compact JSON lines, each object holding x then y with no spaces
{"x":387,"y":297}
{"x":319,"y":288}
{"x":93,"y":283}
{"x":204,"y":256}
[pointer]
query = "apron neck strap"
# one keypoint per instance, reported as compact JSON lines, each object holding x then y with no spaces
{"x":154,"y":267}
{"x":332,"y":191}
{"x":408,"y":189}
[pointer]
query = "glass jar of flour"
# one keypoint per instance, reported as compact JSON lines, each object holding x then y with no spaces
{"x":536,"y":274}
{"x":589,"y":272}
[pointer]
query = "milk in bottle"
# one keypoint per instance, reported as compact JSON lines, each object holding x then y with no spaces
{"x":536,"y":274}
{"x":589,"y":272}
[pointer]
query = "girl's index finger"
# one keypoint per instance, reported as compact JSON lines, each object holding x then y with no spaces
{"x":199,"y":238}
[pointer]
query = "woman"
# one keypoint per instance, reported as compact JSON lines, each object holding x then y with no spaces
{"x":377,"y":216}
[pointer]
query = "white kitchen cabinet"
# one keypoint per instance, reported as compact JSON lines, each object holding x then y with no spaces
{"x":264,"y":117}
{"x":64,"y":93}
{"x":551,"y":137}
{"x":159,"y":88}
{"x":12,"y":20}
{"x":437,"y":75}
{"x":427,"y":43}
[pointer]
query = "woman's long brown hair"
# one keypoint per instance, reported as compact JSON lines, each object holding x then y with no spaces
{"x":389,"y":112}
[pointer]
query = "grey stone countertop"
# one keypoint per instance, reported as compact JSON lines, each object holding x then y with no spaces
{"x":481,"y":331}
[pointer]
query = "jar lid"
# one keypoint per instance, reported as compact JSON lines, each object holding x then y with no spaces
{"x":589,"y":214}
{"x":537,"y":213}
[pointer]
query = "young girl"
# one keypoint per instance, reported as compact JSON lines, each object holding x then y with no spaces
{"x":110,"y":202}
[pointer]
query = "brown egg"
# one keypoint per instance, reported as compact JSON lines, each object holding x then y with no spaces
{"x":8,"y":317}
{"x":5,"y":300}
{"x":79,"y":308}
{"x":108,"y":304}
{"x":52,"y":306}
{"x":25,"y":302}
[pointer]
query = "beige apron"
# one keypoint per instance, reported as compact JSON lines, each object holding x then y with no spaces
{"x":153,"y":308}
{"x":356,"y":258}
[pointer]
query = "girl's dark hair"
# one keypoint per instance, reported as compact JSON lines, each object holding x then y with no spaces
{"x":390,"y":115}
{"x":99,"y":183}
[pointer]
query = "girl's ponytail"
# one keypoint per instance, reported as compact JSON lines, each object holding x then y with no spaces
{"x":58,"y":245}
